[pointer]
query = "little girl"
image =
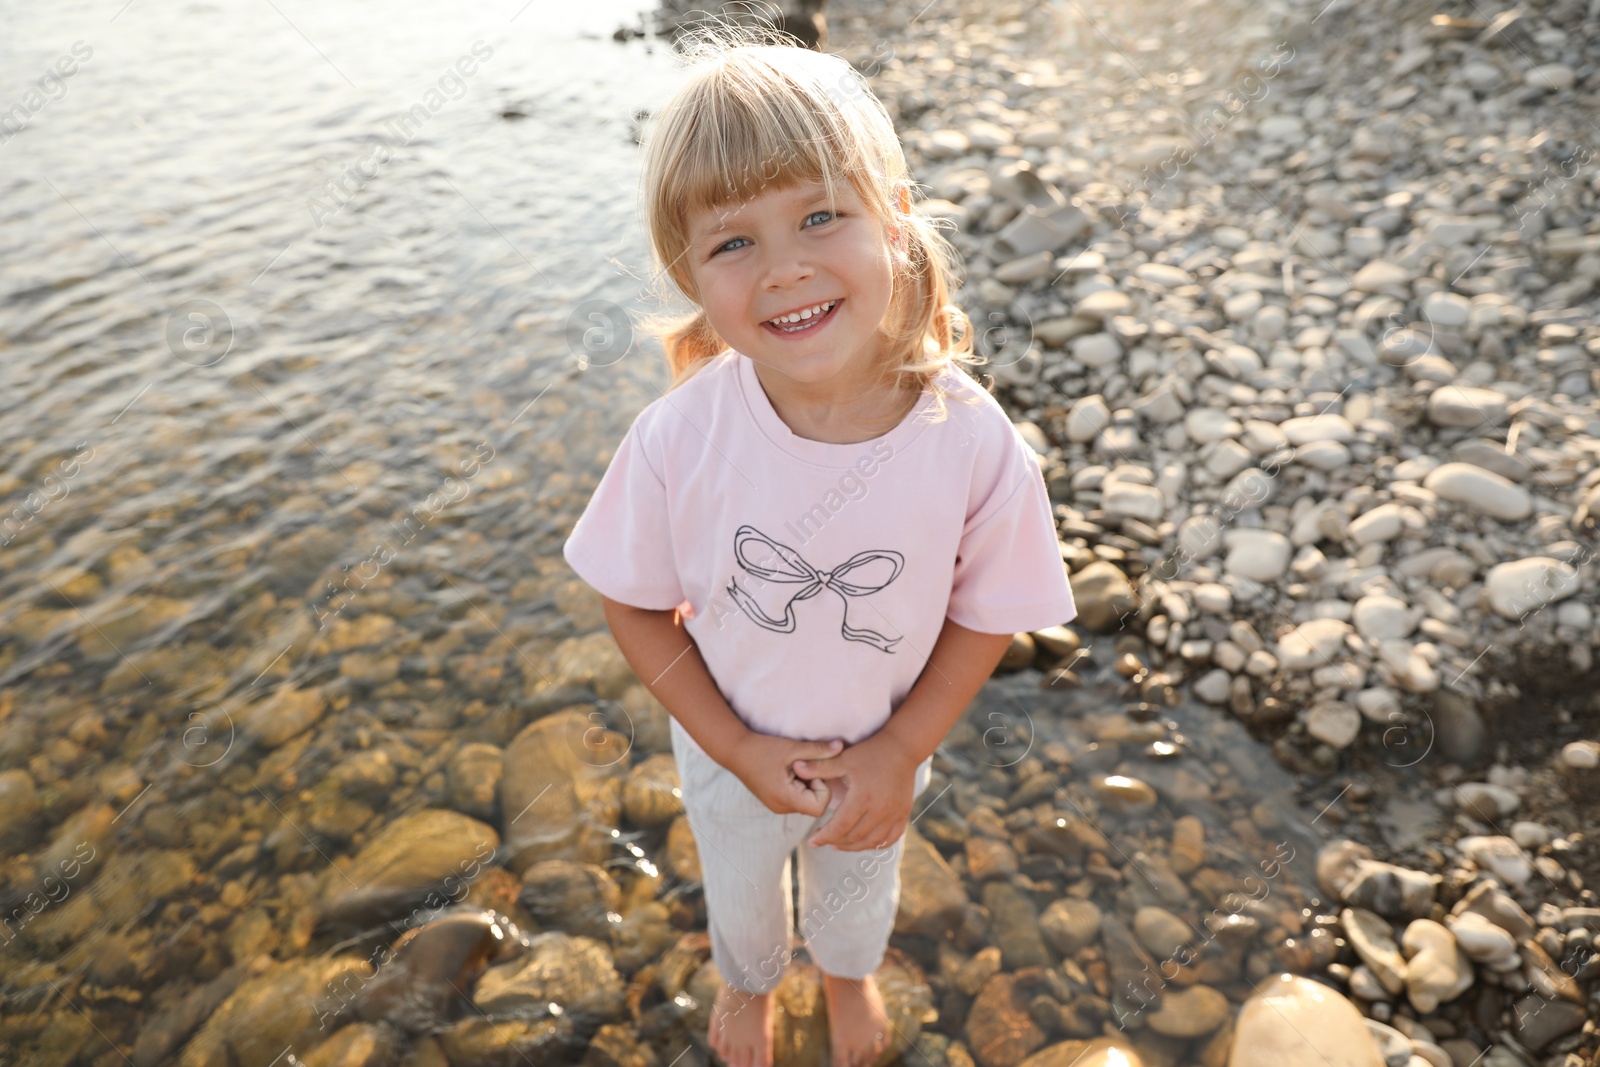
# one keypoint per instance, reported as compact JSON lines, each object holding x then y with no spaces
{"x":816,"y":546}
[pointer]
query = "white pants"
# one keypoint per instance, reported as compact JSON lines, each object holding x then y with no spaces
{"x":847,"y":899}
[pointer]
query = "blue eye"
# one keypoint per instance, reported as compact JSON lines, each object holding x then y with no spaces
{"x":814,"y":214}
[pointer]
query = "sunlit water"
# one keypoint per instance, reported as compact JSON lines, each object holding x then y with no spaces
{"x":244,"y":297}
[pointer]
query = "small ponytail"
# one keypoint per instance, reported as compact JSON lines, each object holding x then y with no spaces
{"x":689,"y":341}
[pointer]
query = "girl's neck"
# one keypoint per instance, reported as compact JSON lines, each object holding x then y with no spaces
{"x":867,"y":416}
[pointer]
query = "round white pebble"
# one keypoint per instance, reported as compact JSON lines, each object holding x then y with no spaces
{"x":1583,"y":755}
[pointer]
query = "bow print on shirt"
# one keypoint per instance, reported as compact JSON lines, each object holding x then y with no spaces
{"x":796,"y":571}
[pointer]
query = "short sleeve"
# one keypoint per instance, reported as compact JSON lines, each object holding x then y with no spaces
{"x":1009,"y":575}
{"x":622,"y":543}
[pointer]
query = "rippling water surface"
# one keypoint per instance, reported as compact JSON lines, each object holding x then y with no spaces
{"x":250,"y":314}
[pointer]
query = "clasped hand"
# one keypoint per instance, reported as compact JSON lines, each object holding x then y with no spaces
{"x":874,"y":777}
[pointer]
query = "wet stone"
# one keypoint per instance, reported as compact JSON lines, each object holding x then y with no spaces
{"x":1131,"y":966}
{"x":988,"y":858}
{"x":1540,"y":1021}
{"x":573,"y":972}
{"x":1190,"y":1013}
{"x":1070,"y":925}
{"x":644,"y":933}
{"x":334,"y":815}
{"x":357,"y":1045}
{"x":1103,"y":595}
{"x":576,"y":898}
{"x":591,"y":660}
{"x":367,"y":775}
{"x":571,"y":772}
{"x":283,"y":1007}
{"x":19,"y":803}
{"x":1125,"y":795}
{"x":428,"y":854}
{"x":473,"y":773}
{"x":651,"y":796}
{"x":124,"y":889}
{"x":284,"y":714}
{"x":369,"y":668}
{"x":1015,"y":926}
{"x":1162,"y":932}
{"x":683,"y":856}
{"x":1000,"y":1029}
{"x":477,"y":1041}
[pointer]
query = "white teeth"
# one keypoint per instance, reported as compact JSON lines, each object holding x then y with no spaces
{"x":801,"y":316}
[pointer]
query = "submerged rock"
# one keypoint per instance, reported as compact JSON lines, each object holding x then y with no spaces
{"x":421,"y":984}
{"x":19,"y":804}
{"x":1070,"y":924}
{"x":476,"y":1041}
{"x":285,"y":1007}
{"x":1000,"y":1029}
{"x":287,"y":712}
{"x":474,"y":776}
{"x":358,"y":1043}
{"x":651,"y":796}
{"x":1190,"y":1013}
{"x":932,"y":898}
{"x":577,"y":898}
{"x":422,"y":860}
{"x":561,"y":791}
{"x":573,"y":973}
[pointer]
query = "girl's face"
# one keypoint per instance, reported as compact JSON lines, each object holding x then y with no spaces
{"x":786,"y":251}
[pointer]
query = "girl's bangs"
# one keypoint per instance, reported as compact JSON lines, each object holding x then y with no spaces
{"x":759,"y":144}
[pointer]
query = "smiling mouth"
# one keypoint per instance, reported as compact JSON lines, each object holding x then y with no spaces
{"x":789,"y":329}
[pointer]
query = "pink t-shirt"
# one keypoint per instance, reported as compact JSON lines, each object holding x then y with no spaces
{"x":819,"y":575}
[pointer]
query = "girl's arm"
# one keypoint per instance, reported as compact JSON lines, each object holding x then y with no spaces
{"x":961,"y":661}
{"x":669,"y":664}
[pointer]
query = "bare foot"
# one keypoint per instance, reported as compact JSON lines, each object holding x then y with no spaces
{"x":858,"y":1025}
{"x":741,"y":1027}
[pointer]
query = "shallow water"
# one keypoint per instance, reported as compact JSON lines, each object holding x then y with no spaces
{"x":226,"y":370}
{"x":264,"y":437}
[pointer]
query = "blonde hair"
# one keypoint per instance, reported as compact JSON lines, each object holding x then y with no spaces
{"x":756,"y":116}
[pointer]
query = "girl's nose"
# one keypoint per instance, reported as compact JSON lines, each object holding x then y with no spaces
{"x":785,"y":269}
